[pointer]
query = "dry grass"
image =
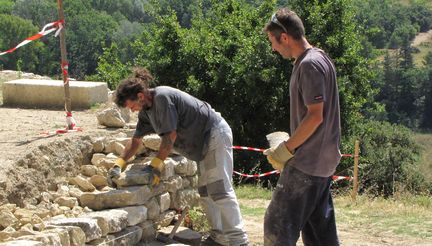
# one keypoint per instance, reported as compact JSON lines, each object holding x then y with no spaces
{"x":404,"y":215}
{"x":425,"y":165}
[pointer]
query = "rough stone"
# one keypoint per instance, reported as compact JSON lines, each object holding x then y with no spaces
{"x":129,"y":196}
{"x":89,"y":226}
{"x":136,"y":214}
{"x":98,"y":181}
{"x":82,"y":183}
{"x":164,"y":201}
{"x":116,"y":219}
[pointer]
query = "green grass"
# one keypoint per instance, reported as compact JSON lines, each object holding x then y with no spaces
{"x":252,"y":192}
{"x":419,"y":58}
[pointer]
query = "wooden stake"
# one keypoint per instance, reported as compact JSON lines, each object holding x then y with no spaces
{"x":355,"y":178}
{"x":64,"y":63}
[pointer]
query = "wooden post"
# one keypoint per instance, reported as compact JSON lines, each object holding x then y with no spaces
{"x":355,"y":178}
{"x":64,"y":65}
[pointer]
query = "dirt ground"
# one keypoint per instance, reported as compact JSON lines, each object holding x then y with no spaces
{"x":422,"y":37}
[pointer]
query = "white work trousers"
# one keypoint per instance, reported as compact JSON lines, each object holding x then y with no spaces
{"x":218,"y":198}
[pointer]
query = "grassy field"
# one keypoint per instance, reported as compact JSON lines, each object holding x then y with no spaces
{"x":405,"y":215}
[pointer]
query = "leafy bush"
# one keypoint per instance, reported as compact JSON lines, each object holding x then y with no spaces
{"x":388,"y":159}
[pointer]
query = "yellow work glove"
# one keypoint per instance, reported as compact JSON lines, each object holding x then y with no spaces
{"x":279,"y":156}
{"x":115,"y":171}
{"x":157,"y":166}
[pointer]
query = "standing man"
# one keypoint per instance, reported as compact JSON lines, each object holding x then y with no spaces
{"x":195,"y":130}
{"x":302,"y":200}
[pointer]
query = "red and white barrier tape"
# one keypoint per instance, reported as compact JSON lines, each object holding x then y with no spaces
{"x":61,"y":131}
{"x":334,"y":177}
{"x":259,"y":175}
{"x":248,"y":148}
{"x":262,"y":150}
{"x":47,"y":29}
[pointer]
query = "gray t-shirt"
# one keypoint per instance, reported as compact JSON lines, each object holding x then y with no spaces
{"x":175,"y":110}
{"x":313,"y":80}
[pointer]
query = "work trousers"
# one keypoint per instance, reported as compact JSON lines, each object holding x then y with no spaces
{"x":300,"y":203}
{"x":218,"y":198}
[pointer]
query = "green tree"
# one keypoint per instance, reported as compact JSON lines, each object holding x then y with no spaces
{"x":6,"y":6}
{"x":14,"y":30}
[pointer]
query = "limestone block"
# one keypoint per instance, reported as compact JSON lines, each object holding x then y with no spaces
{"x":153,"y":209}
{"x":69,"y":202}
{"x":173,"y":183}
{"x":152,"y":141}
{"x":106,"y":163}
{"x":63,"y":234}
{"x":62,"y":190}
{"x":98,"y":181}
{"x":7,"y":218}
{"x":165,"y":218}
{"x":184,"y":235}
{"x":22,"y":242}
{"x":118,"y":148}
{"x":129,"y":236}
{"x":45,"y":238}
{"x":75,"y":192}
{"x":117,"y":219}
{"x":168,"y":170}
{"x":184,"y":166}
{"x":77,"y":236}
{"x":135,"y":214}
{"x":135,"y":174}
{"x":96,"y":157}
{"x":8,"y":207}
{"x":46,"y":197}
{"x":82,"y":183}
{"x":186,"y":197}
{"x":148,"y":231}
{"x":164,"y":201}
{"x":50,"y":93}
{"x":186,"y":183}
{"x":88,"y":226}
{"x":107,"y":240}
{"x":110,"y":117}
{"x":129,"y":196}
{"x":122,"y":140}
{"x":98,"y":145}
{"x":193,"y":181}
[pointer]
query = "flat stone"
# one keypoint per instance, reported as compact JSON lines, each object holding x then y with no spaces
{"x":50,"y":93}
{"x":183,"y":235}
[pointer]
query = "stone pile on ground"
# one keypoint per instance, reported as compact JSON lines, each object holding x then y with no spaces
{"x":86,"y":211}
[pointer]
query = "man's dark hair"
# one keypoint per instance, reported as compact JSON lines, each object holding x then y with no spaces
{"x":129,"y":88}
{"x":291,"y":24}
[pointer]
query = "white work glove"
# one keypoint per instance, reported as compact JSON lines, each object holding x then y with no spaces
{"x":279,"y":156}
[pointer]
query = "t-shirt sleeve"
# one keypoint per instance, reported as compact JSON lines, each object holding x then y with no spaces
{"x":166,"y":114}
{"x":144,"y":126}
{"x":312,"y":83}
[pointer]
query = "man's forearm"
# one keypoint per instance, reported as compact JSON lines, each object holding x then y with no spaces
{"x":131,"y":148}
{"x":167,"y":144}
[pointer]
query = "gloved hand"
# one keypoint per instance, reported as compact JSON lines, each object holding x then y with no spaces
{"x":115,"y":171}
{"x":156,"y":167}
{"x":278,"y":156}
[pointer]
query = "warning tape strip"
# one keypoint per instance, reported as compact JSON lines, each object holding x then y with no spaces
{"x":61,"y":131}
{"x":262,"y":150}
{"x":334,"y":177}
{"x":45,"y":31}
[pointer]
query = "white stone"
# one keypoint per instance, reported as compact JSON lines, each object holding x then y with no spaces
{"x":136,"y":214}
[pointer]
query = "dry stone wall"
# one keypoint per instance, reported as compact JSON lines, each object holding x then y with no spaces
{"x":76,"y":206}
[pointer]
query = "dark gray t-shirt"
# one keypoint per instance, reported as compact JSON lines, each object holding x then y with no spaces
{"x":175,"y":110}
{"x":313,"y":80}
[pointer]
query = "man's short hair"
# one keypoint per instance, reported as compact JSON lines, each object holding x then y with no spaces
{"x":285,"y":20}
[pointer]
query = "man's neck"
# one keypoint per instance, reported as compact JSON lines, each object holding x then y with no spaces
{"x":300,"y":47}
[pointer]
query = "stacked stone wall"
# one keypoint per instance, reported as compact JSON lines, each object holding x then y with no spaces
{"x":84,"y":210}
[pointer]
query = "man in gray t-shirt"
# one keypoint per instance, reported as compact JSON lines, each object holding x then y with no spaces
{"x":192,"y":128}
{"x":302,"y":201}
